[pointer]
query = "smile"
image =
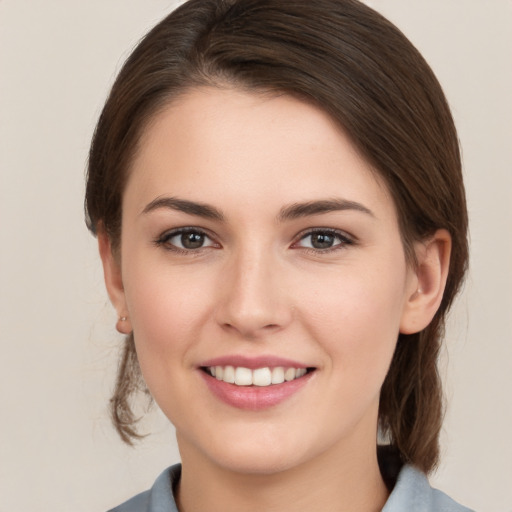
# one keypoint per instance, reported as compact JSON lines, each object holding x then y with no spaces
{"x":256,"y":388}
{"x":266,"y":376}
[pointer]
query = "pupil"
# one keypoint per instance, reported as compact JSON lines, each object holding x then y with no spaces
{"x":192,"y":240}
{"x":322,"y":240}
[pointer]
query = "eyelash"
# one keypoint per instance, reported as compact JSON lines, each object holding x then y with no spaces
{"x":164,"y":240}
{"x":343,"y":239}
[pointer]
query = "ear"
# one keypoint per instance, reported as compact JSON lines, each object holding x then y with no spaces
{"x":426,"y":288}
{"x":114,"y":281}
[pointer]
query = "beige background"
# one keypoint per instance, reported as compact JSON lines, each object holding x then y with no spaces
{"x":57,"y":338}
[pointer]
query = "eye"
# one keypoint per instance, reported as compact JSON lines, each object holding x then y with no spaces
{"x":186,"y":239}
{"x":323,"y":240}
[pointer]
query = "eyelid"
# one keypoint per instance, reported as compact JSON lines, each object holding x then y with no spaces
{"x":344,"y":238}
{"x":163,"y":239}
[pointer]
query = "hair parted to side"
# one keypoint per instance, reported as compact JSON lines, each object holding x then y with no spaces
{"x":355,"y":65}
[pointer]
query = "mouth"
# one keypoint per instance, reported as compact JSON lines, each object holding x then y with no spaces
{"x":260,"y":377}
{"x":255,"y":384}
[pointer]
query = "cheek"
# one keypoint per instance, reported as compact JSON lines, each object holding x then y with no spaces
{"x":356,"y":318}
{"x":167,"y":308}
{"x":166,"y":316}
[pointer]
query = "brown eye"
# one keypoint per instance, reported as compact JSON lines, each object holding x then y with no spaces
{"x":188,"y":239}
{"x":192,"y":240}
{"x":323,"y":240}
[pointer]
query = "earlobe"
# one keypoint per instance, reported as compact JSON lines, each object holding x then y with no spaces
{"x":431,"y":273}
{"x":114,"y":281}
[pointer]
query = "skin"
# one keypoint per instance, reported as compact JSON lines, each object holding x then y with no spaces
{"x":259,"y":286}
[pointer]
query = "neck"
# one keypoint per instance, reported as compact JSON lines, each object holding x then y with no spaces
{"x":334,"y":481}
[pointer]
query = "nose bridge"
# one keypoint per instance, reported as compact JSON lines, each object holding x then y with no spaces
{"x":253,"y":295}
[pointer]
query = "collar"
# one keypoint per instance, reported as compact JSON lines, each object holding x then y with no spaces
{"x":412,"y":492}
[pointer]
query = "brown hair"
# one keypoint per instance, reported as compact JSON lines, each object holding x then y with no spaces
{"x":358,"y":67}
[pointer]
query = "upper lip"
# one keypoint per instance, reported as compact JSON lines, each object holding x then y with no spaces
{"x":253,"y":362}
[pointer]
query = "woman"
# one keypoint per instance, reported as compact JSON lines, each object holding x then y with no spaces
{"x":276,"y":189}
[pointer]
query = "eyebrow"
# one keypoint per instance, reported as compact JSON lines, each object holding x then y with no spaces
{"x":298,"y":210}
{"x":291,"y":212}
{"x":182,"y":205}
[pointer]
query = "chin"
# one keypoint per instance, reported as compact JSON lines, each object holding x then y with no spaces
{"x":249,"y":453}
{"x":262,"y":463}
{"x":267,"y":454}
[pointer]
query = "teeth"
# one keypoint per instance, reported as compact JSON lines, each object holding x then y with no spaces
{"x":229,"y":375}
{"x":262,"y":377}
{"x":243,"y":376}
{"x":289,"y":374}
{"x":278,"y":375}
{"x":266,"y":376}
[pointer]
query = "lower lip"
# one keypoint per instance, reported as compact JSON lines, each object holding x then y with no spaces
{"x":254,"y":398}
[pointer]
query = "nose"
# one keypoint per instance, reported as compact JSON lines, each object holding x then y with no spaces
{"x":253,"y":300}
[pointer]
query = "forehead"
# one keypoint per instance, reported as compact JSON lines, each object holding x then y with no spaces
{"x":214,"y":143}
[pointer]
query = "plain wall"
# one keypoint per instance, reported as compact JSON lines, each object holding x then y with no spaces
{"x":58,"y":341}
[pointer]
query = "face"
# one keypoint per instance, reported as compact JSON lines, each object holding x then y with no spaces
{"x":258,"y":246}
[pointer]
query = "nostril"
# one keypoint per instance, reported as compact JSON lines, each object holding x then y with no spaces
{"x":250,"y":331}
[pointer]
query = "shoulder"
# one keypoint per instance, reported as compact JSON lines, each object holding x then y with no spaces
{"x":159,"y":498}
{"x":413,"y":492}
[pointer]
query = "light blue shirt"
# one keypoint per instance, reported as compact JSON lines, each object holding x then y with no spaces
{"x":412,"y":493}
